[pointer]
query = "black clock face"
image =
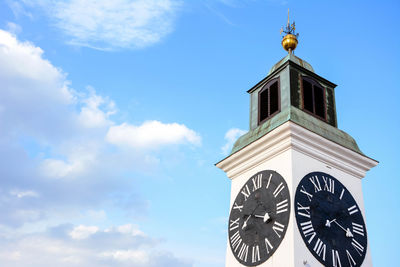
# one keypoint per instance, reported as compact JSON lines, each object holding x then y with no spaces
{"x":259,"y":218}
{"x":330,"y":221}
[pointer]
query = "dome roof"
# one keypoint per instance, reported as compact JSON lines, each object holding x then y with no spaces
{"x":294,"y":59}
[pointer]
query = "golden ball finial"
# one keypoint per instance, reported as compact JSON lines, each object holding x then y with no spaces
{"x":289,"y":41}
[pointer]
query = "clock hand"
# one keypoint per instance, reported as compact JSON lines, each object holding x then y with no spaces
{"x":245,"y":223}
{"x":266,"y":217}
{"x":348,"y":232}
{"x":328,"y":222}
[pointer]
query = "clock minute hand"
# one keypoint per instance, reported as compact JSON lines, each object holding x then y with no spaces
{"x":348,"y":232}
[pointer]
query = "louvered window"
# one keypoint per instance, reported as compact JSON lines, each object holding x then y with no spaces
{"x":313,"y":98}
{"x":268,"y":101}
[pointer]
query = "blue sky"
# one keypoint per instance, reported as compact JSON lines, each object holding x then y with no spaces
{"x":113,"y":113}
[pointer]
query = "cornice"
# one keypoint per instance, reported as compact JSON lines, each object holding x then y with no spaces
{"x":292,"y":136}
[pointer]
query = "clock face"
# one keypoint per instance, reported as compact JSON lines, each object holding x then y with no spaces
{"x":330,"y":221}
{"x":259,"y":218}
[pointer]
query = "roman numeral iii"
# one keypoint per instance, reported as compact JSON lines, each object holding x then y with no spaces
{"x":282,"y":206}
{"x":358,"y":229}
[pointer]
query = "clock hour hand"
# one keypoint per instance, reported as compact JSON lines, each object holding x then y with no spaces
{"x":244,"y":226}
{"x":348,"y":232}
{"x":266,"y":218}
{"x":328,"y":222}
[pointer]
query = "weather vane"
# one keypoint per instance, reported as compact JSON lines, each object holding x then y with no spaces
{"x":289,"y":41}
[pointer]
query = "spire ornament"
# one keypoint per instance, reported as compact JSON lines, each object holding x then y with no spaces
{"x":289,"y":41}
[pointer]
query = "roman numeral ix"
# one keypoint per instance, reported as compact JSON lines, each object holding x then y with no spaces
{"x":303,"y":210}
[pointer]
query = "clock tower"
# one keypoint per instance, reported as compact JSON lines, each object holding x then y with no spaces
{"x":296,"y":192}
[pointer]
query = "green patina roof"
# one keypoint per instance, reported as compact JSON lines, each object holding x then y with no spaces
{"x":294,"y":59}
{"x":290,"y":112}
{"x":303,"y":119}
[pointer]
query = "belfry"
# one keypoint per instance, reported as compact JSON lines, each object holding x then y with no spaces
{"x":296,"y":196}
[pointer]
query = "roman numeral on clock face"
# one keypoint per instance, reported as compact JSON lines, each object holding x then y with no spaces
{"x":257,"y":182}
{"x":341,"y":194}
{"x":244,"y":250}
{"x":282,"y":206}
{"x":304,"y":191}
{"x":259,"y":217}
{"x":234,"y":224}
{"x":317,"y":186}
{"x":268,"y":245}
{"x":333,"y":229}
{"x":303,"y":210}
{"x":357,"y":246}
{"x":235,"y":240}
{"x":336,"y":259}
{"x":278,"y":227}
{"x":308,"y":230}
{"x":255,"y":255}
{"x":245,"y":192}
{"x":358,"y":228}
{"x":269,"y":180}
{"x":353,"y":209}
{"x":237,"y":207}
{"x":320,"y":248}
{"x":278,"y":189}
{"x":352,"y":262}
{"x":329,"y":184}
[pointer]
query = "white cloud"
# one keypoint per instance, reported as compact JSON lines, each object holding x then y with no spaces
{"x":54,"y":142}
{"x":33,"y":92}
{"x":21,"y":194}
{"x":88,"y":246}
{"x":49,"y":130}
{"x":80,"y":159}
{"x":83,"y":232}
{"x":25,"y":61}
{"x":132,"y":256}
{"x":14,"y":28}
{"x":151,"y":134}
{"x":91,"y":114}
{"x":129,"y":229}
{"x":103,"y":24}
{"x":231,"y":136}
